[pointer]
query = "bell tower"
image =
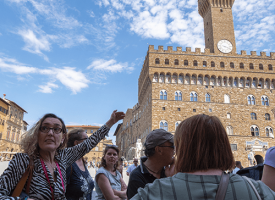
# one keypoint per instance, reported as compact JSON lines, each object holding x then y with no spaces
{"x":218,"y":25}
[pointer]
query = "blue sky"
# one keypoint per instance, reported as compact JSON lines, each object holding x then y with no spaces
{"x":82,"y":59}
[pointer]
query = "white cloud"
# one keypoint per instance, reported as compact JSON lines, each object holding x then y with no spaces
{"x":91,"y":13}
{"x":47,"y":88}
{"x":73,"y":79}
{"x":11,"y":65}
{"x":109,"y":66}
{"x":34,"y":44}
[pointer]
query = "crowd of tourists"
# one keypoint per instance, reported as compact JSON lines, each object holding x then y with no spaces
{"x":194,"y":163}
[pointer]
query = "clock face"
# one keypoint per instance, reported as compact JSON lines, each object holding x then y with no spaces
{"x":225,"y":46}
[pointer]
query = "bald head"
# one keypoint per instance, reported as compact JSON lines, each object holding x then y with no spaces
{"x":135,"y":161}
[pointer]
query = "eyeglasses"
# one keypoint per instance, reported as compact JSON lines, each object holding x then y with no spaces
{"x":172,"y":146}
{"x":135,"y":161}
{"x":46,"y":129}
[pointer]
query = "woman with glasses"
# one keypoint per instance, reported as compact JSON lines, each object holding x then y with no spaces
{"x":80,"y":184}
{"x":109,"y":184}
{"x":44,"y":149}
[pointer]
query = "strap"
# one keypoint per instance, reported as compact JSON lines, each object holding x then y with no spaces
{"x":222,"y":187}
{"x":253,"y":187}
{"x":20,"y":185}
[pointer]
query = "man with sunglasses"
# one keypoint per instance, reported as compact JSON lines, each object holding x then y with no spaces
{"x":158,"y":162}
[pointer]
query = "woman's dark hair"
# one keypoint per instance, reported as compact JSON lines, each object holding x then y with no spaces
{"x":74,"y":135}
{"x":201,"y":144}
{"x":103,"y":161}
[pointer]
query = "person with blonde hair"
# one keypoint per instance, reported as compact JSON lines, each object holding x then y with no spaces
{"x":44,"y":150}
{"x":203,"y":154}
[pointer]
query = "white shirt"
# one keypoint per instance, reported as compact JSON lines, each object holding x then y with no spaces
{"x":235,"y":170}
{"x":131,"y":168}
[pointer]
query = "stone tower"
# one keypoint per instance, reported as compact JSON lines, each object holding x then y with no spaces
{"x":218,"y":25}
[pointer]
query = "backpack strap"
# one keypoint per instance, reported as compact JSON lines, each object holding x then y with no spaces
{"x":253,"y":187}
{"x":20,"y":185}
{"x":222,"y":187}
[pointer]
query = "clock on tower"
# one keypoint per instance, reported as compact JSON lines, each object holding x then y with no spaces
{"x":218,"y":25}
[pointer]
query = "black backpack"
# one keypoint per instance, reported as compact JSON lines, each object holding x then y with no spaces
{"x":255,"y":172}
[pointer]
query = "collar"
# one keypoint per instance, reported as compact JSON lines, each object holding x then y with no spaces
{"x":144,"y":170}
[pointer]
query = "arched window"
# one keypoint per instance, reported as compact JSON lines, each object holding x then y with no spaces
{"x":222,"y":64}
{"x":230,"y":82}
{"x":241,"y":65}
{"x":265,"y":101}
{"x":232,"y":65}
{"x":163,"y":95}
{"x":229,"y":130}
{"x":253,"y":116}
{"x":254,"y":83}
{"x":247,"y":83}
{"x":193,"y":80}
{"x":199,"y":80}
{"x":163,"y":125}
{"x":270,"y":68}
{"x":251,"y":100}
{"x":180,"y":79}
{"x":206,"y":80}
{"x":193,"y":96}
{"x":261,"y":67}
{"x":219,"y":81}
{"x":204,"y":64}
{"x":228,"y":115}
{"x":155,"y":79}
{"x":241,"y":84}
{"x":267,"y":116}
{"x":212,"y":81}
{"x":168,"y":78}
{"x":174,"y":78}
{"x":254,"y":130}
{"x":176,"y":62}
{"x":166,"y":61}
{"x":185,"y":62}
{"x":267,"y":84}
{"x":195,"y":63}
{"x":212,"y":64}
{"x":226,"y":98}
{"x":235,"y":82}
{"x":207,"y":98}
{"x":269,"y":132}
{"x":161,"y":78}
{"x":178,"y":96}
{"x":251,"y":66}
{"x":187,"y":79}
{"x":157,"y":61}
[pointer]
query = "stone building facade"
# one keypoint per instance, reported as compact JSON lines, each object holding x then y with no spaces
{"x":13,"y":126}
{"x":176,"y":84}
{"x":96,"y":153}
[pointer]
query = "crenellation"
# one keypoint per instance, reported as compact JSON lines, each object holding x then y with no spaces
{"x":160,"y":48}
{"x":198,"y":50}
{"x":206,"y":51}
{"x":243,"y":53}
{"x":253,"y":53}
{"x":169,"y":49}
{"x":179,"y":49}
{"x":272,"y":55}
{"x":188,"y":49}
{"x":263,"y":54}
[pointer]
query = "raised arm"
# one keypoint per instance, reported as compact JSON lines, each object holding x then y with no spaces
{"x":78,"y":151}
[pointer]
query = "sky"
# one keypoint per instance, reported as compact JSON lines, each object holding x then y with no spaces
{"x":81,"y":59}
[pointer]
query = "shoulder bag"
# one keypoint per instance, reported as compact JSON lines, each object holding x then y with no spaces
{"x":222,"y":187}
{"x":26,"y":176}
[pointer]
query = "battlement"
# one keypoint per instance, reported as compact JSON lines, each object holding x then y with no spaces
{"x":253,"y":54}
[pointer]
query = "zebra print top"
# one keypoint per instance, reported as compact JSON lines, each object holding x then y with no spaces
{"x":40,"y":188}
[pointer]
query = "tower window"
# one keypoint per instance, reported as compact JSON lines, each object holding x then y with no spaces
{"x":207,"y":98}
{"x":166,"y":61}
{"x":195,"y":63}
{"x":222,"y":64}
{"x":241,"y":65}
{"x":254,"y":130}
{"x":193,"y":96}
{"x":157,"y":61}
{"x":185,"y":62}
{"x":212,"y":64}
{"x":194,"y":110}
{"x":270,"y":68}
{"x":163,"y":125}
{"x":261,"y":67}
{"x":253,"y":116}
{"x":228,"y":115}
{"x":204,"y":64}
{"x":178,"y":109}
{"x":232,"y":65}
{"x":163,"y":108}
{"x":265,"y":101}
{"x":251,"y":66}
{"x":163,"y":95}
{"x":267,"y":116}
{"x":176,"y":62}
{"x":229,"y":130}
{"x":251,"y":100}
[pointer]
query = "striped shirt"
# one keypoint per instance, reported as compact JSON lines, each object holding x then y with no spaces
{"x":40,"y":188}
{"x":204,"y":187}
